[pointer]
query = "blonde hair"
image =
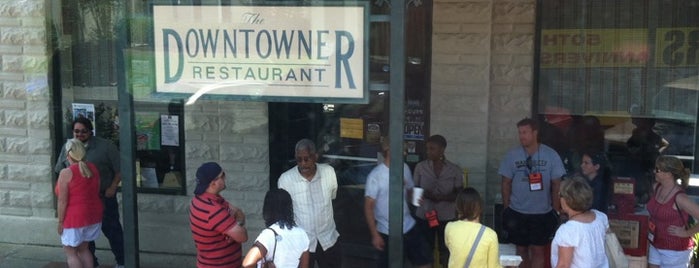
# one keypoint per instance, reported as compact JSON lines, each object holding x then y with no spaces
{"x":76,"y":151}
{"x":673,"y":165}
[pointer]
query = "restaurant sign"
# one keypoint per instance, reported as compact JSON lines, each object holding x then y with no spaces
{"x":296,"y":53}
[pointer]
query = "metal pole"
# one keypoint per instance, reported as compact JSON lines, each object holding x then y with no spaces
{"x":397,"y":118}
{"x":127,"y":139}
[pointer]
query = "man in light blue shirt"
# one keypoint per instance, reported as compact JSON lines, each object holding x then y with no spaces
{"x":531,"y":175}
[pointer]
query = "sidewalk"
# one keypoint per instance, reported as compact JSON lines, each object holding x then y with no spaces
{"x":49,"y":256}
{"x":38,"y":256}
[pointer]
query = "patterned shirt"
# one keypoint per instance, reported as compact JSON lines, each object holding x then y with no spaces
{"x":209,"y":219}
{"x":313,"y":208}
{"x":663,"y":216}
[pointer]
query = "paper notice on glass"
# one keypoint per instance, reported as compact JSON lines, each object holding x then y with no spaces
{"x":86,"y":110}
{"x":170,"y":130}
{"x":352,"y":128}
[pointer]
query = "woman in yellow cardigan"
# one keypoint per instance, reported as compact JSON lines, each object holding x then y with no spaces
{"x":460,"y":236}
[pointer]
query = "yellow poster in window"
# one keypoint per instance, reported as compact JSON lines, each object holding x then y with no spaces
{"x":352,"y":128}
{"x":677,"y":47}
{"x":575,"y":48}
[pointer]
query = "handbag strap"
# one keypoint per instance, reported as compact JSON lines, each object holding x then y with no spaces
{"x":274,"y":251}
{"x":686,"y":227}
{"x":475,"y":244}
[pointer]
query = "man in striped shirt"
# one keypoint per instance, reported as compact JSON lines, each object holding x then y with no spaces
{"x":313,"y":187}
{"x":217,"y":226}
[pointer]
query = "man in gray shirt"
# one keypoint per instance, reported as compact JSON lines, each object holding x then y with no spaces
{"x":531,"y":175}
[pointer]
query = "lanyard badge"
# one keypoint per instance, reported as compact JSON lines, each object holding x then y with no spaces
{"x":535,"y":182}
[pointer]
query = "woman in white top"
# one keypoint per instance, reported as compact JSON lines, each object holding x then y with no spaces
{"x":282,"y":242}
{"x":580,"y":241}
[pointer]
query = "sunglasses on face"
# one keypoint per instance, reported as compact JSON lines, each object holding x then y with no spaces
{"x":81,"y":131}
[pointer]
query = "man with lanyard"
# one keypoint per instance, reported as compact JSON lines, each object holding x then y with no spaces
{"x":105,"y":156}
{"x":531,"y":175}
{"x":312,"y":187}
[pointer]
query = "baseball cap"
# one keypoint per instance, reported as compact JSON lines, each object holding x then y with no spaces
{"x":206,"y":173}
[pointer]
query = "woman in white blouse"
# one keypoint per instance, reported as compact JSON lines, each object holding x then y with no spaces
{"x":580,"y":241}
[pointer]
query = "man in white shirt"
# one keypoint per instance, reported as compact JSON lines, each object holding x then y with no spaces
{"x":312,"y":187}
{"x":376,"y":213}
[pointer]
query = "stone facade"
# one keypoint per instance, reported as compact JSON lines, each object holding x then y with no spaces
{"x":482,"y":73}
{"x":25,"y":127}
{"x":481,"y":85}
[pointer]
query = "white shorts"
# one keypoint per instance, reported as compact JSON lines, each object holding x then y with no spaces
{"x":669,"y":258}
{"x":73,"y":237}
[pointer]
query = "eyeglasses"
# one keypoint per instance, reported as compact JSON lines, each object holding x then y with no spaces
{"x":81,"y":131}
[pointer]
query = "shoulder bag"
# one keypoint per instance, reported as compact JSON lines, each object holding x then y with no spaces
{"x":270,"y":264}
{"x":615,"y":254}
{"x":693,"y":259}
{"x":473,"y":248}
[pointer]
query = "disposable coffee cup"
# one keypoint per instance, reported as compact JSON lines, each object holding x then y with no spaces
{"x":417,"y":195}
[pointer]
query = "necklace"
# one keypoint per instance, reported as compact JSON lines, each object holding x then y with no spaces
{"x":664,"y":199}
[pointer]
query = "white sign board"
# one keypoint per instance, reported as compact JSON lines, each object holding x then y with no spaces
{"x":281,"y":51}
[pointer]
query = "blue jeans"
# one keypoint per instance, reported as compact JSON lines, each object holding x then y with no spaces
{"x":111,"y":228}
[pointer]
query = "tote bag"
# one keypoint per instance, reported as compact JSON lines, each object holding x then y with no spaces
{"x":615,"y":253}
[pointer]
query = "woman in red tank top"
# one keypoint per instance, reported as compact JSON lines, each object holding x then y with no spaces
{"x":669,"y":209}
{"x":79,"y":206}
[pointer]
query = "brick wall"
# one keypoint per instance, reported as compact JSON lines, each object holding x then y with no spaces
{"x":25,"y":137}
{"x":481,"y":82}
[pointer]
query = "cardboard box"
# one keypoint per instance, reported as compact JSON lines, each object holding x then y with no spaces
{"x":632,"y":232}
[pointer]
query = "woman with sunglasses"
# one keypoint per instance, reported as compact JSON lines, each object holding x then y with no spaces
{"x":669,"y":209}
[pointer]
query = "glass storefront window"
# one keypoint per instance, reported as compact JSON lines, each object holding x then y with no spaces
{"x":166,"y":125}
{"x":88,"y":70}
{"x":619,"y":77}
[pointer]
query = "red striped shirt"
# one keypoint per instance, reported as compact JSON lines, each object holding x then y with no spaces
{"x":209,"y":219}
